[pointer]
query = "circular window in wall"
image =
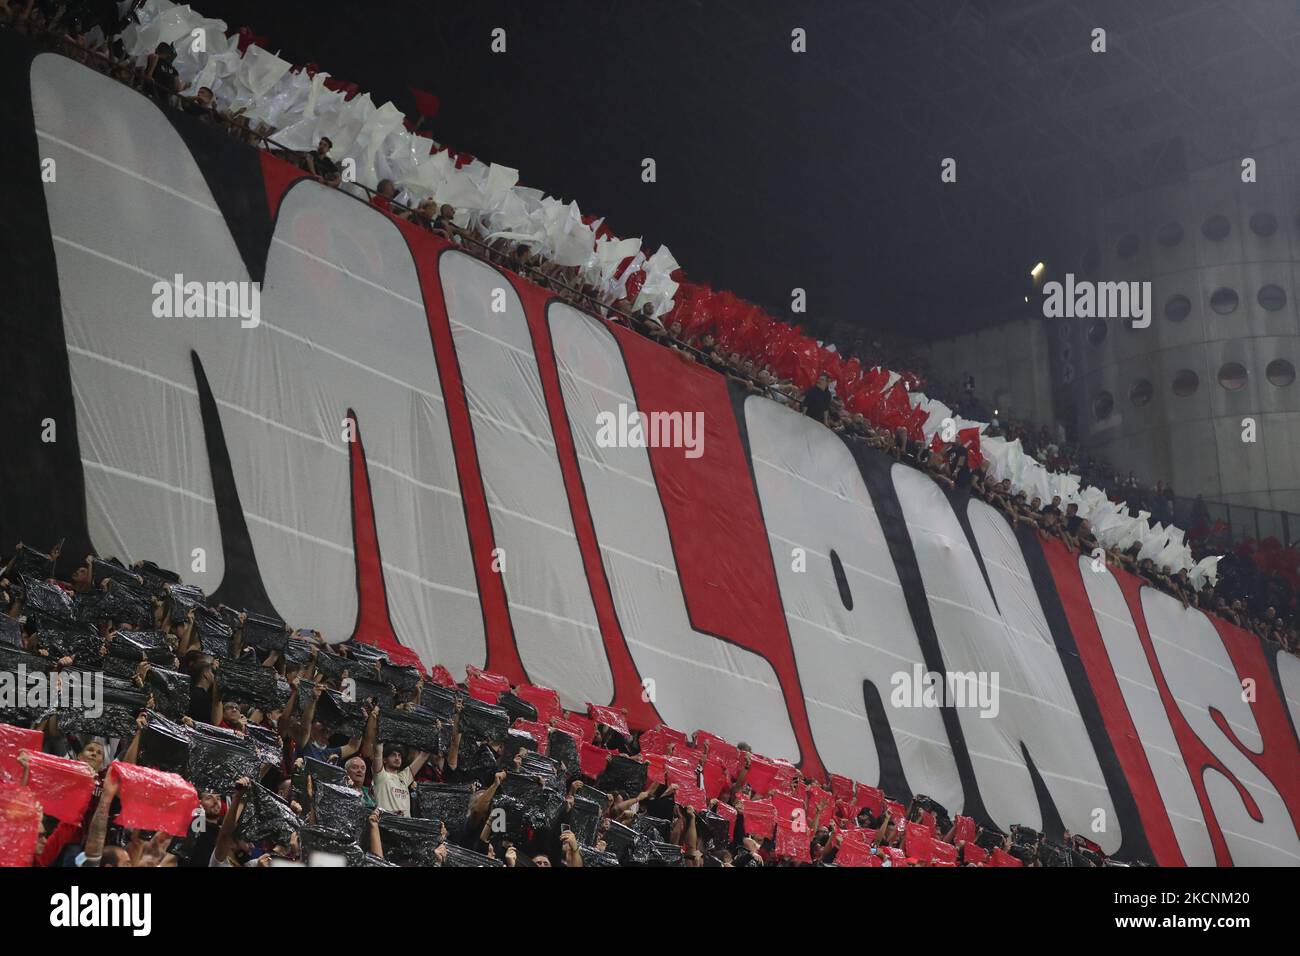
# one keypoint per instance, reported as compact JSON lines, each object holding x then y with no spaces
{"x":1186,"y":382}
{"x":1224,"y":301}
{"x":1127,"y":247}
{"x":1169,"y":235}
{"x":1232,"y":376}
{"x":1140,"y":393}
{"x":1216,"y":228}
{"x":1103,"y":405}
{"x":1090,"y":264}
{"x":1280,"y":372}
{"x":1272,"y":298}
{"x":1097,"y":331}
{"x":1263,"y":224}
{"x":1178,"y":308}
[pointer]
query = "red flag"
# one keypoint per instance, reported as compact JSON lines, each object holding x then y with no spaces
{"x":1002,"y":858}
{"x":689,"y":795}
{"x":485,"y":686}
{"x":544,"y":699}
{"x":153,"y":799}
{"x":12,"y":740}
{"x":20,"y":825}
{"x":593,"y":759}
{"x":761,"y":774}
{"x":873,"y":798}
{"x":760,"y":816}
{"x":855,"y":850}
{"x":714,"y":773}
{"x":792,"y":843}
{"x":64,"y":787}
{"x":615,"y":719}
{"x":426,"y":103}
{"x":586,"y":726}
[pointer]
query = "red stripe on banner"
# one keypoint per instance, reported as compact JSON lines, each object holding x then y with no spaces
{"x":373,"y":623}
{"x":1196,"y":756}
{"x":1115,"y":714}
{"x":278,"y":175}
{"x":1279,"y":757}
{"x":628,"y":691}
{"x":721,"y":548}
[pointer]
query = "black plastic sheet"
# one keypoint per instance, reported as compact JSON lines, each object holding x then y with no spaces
{"x":254,"y":684}
{"x":370,"y":859}
{"x":460,"y":857}
{"x":517,"y":707}
{"x":448,"y":802}
{"x":441,"y":700}
{"x":12,"y":660}
{"x":584,"y":818}
{"x":485,"y":722}
{"x":322,"y":840}
{"x":214,"y":633}
{"x":623,"y":774}
{"x":564,"y":749}
{"x":404,"y":679}
{"x":11,"y":632}
{"x":537,"y":765}
{"x":126,"y":649}
{"x":219,"y":757}
{"x":365,"y":655}
{"x":654,"y":827}
{"x":298,"y":651}
{"x":528,"y":806}
{"x":116,"y":602}
{"x":266,"y":817}
{"x":171,"y":691}
{"x":418,"y":728}
{"x":122,"y":703}
{"x":367,"y":688}
{"x":336,"y":714}
{"x":409,"y":841}
{"x":320,"y":772}
{"x":265,"y":633}
{"x":155,"y":578}
{"x":182,"y":599}
{"x":165,"y":744}
{"x":46,"y":597}
{"x":267,"y":743}
{"x":29,"y":562}
{"x":111,"y":569}
{"x":477,"y":762}
{"x":76,"y":640}
{"x":593,"y":857}
{"x":517,"y":740}
{"x":620,"y":839}
{"x":712,"y":828}
{"x":339,"y":807}
{"x":331,"y":665}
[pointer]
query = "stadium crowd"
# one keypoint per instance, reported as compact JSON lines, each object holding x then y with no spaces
{"x":225,"y":738}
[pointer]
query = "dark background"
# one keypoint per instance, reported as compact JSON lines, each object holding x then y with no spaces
{"x":821,"y":170}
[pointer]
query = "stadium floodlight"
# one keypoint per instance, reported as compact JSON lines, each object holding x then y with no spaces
{"x":1037,"y":271}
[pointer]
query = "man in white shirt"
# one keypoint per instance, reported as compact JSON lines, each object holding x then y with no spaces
{"x":392,"y":780}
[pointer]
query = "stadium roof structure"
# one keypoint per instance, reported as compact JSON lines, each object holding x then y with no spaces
{"x":821,"y":170}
